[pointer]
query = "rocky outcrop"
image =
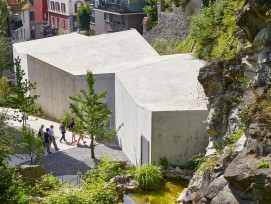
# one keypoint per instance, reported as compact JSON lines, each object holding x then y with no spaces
{"x":30,"y":173}
{"x":239,"y":97}
{"x":172,"y":25}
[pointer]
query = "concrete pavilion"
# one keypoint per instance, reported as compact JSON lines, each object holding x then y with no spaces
{"x":155,"y":97}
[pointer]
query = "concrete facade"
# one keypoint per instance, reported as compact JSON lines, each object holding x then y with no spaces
{"x":155,"y":97}
{"x":160,"y":102}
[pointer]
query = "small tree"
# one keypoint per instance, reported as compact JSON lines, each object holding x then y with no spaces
{"x":32,"y":144}
{"x":83,"y":17}
{"x":92,"y":115}
{"x":21,"y":98}
{"x":151,"y":11}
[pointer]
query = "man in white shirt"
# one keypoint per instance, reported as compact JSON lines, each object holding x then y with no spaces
{"x":52,"y":134}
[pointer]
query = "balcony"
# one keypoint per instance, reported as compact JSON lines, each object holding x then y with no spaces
{"x":119,"y":6}
{"x":14,"y":25}
{"x":17,"y":5}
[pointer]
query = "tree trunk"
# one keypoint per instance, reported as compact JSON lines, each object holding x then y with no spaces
{"x":92,"y":146}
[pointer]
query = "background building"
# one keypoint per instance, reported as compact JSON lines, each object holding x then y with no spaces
{"x":62,"y":14}
{"x":38,"y":17}
{"x":117,"y":15}
{"x":19,"y":22}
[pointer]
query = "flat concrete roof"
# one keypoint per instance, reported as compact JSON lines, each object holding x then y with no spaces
{"x":168,"y":83}
{"x":76,"y":53}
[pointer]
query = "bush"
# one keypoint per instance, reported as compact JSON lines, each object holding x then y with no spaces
{"x":194,"y":162}
{"x":164,"y":162}
{"x":207,"y":166}
{"x":263,"y":165}
{"x":106,"y":169}
{"x":11,"y":187}
{"x":149,"y":177}
{"x":213,"y":29}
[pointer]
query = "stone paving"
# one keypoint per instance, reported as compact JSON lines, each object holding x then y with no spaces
{"x":71,"y":158}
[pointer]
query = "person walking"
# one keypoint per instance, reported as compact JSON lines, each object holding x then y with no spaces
{"x":52,"y":134}
{"x":41,"y":134}
{"x":81,"y":137}
{"x":72,"y":129}
{"x":47,"y":141}
{"x":63,"y":132}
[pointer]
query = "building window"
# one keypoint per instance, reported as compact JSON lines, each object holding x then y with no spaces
{"x":52,"y":5}
{"x":64,"y":25}
{"x":57,"y":7}
{"x":32,"y":16}
{"x":63,"y":8}
{"x":44,"y":16}
{"x":75,"y":8}
{"x":53,"y":20}
{"x":31,"y":2}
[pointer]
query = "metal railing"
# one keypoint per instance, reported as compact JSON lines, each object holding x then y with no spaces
{"x":119,"y":7}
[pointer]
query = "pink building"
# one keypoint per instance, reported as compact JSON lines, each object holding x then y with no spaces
{"x":38,"y":17}
{"x":62,"y":14}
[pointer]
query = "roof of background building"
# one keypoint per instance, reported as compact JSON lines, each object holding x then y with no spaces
{"x":77,"y":53}
{"x":168,"y":83}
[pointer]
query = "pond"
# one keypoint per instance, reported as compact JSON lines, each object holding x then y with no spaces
{"x":167,"y":195}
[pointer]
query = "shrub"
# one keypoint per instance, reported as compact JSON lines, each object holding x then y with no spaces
{"x":164,"y":162}
{"x":149,"y":177}
{"x":106,"y":169}
{"x":48,"y":183}
{"x":263,"y":165}
{"x":194,"y":162}
{"x":11,"y":187}
{"x":213,"y":29}
{"x":207,"y":166}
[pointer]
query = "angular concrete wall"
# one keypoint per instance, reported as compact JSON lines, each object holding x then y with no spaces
{"x":136,"y":120}
{"x":178,"y":135}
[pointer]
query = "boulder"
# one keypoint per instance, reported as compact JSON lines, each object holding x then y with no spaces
{"x":30,"y":173}
{"x":252,"y":18}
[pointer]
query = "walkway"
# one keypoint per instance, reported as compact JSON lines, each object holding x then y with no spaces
{"x":70,"y":159}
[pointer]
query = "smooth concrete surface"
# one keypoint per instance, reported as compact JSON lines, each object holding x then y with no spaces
{"x":159,"y":103}
{"x":76,"y":53}
{"x":166,"y":84}
{"x":178,"y":135}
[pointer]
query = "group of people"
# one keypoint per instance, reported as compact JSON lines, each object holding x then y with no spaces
{"x":49,"y":135}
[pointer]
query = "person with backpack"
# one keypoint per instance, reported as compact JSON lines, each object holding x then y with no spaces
{"x":63,"y":132}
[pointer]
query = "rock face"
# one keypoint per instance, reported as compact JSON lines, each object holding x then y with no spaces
{"x":239,"y":88}
{"x":30,"y":173}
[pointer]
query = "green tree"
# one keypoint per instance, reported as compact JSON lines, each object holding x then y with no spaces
{"x":83,"y":17}
{"x":32,"y":144}
{"x":21,"y":98}
{"x":151,"y":11}
{"x":7,"y":140}
{"x":4,"y":14}
{"x":92,"y":115}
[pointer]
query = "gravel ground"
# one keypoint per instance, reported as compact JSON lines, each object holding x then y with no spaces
{"x":77,"y":159}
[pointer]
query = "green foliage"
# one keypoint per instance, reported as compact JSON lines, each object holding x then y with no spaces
{"x":235,"y":136}
{"x":92,"y":115}
{"x":4,"y":14}
{"x":205,"y":169}
{"x":11,"y":187}
{"x":213,"y":30}
{"x":151,"y":12}
{"x":131,"y":170}
{"x":106,"y":169}
{"x":5,"y":49}
{"x":94,"y":193}
{"x":149,"y":177}
{"x":21,"y":98}
{"x":7,"y":139}
{"x":44,"y":187}
{"x":194,"y":162}
{"x":164,"y":162}
{"x":263,"y":165}
{"x":31,"y":144}
{"x":4,"y":88}
{"x":83,"y":17}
